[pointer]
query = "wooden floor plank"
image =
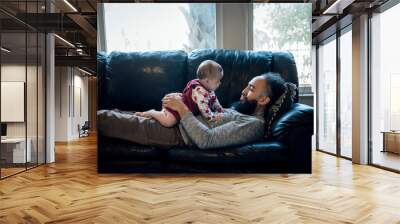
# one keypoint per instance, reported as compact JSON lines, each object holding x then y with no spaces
{"x":71,"y":191}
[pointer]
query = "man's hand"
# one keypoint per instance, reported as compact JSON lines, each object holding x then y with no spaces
{"x":218,"y":117}
{"x":171,"y":95}
{"x":174,"y":102}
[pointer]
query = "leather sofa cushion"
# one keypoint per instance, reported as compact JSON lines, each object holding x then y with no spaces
{"x":101,"y":62}
{"x":137,"y":81}
{"x":101,"y":79}
{"x":122,"y":150}
{"x":252,"y":153}
{"x":283,"y":63}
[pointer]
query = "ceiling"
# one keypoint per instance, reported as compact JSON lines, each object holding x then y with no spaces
{"x":74,"y":21}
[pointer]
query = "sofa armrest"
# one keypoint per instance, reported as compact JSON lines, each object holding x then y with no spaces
{"x":299,"y":150}
{"x":101,"y":80}
{"x":101,"y":63}
{"x":297,"y":115}
{"x":295,"y":130}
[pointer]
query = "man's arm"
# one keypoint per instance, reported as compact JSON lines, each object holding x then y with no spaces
{"x":240,"y":130}
{"x":235,"y":132}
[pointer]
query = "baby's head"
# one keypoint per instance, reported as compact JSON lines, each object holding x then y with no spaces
{"x":210,"y":74}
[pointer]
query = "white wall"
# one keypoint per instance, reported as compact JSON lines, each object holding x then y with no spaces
{"x":79,"y":117}
{"x":15,"y":72}
{"x":33,"y":126}
{"x":61,"y":103}
{"x":69,"y":82}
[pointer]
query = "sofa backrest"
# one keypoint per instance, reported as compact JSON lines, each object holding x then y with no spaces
{"x":241,"y":66}
{"x":138,"y":80}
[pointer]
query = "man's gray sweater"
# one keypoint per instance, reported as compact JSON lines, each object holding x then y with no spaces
{"x":233,"y":129}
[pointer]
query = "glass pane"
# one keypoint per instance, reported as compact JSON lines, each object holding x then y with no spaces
{"x":385,"y":84}
{"x":148,"y":26}
{"x":41,"y":98}
{"x":346,"y":94}
{"x":314,"y":90}
{"x":327,"y":97}
{"x":13,"y":87}
{"x":278,"y":27}
{"x":31,"y":87}
{"x":31,"y":98}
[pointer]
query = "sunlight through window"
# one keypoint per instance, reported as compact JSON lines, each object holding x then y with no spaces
{"x":148,"y":26}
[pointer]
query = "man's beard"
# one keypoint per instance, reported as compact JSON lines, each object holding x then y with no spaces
{"x":246,"y":106}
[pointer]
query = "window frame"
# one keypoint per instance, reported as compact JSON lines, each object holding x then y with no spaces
{"x":336,"y":36}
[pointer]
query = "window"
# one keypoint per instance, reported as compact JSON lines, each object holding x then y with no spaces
{"x":385,"y":87}
{"x":333,"y":106}
{"x":346,"y":94}
{"x":327,"y":96}
{"x":149,"y":26}
{"x":22,"y":87}
{"x":280,"y":27}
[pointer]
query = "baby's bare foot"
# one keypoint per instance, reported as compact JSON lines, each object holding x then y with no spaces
{"x":146,"y":114}
{"x":142,"y":114}
{"x":138,"y":114}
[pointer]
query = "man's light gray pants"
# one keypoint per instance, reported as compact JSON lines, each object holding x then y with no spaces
{"x":125,"y":125}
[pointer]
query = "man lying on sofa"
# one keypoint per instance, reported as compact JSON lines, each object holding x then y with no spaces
{"x":249,"y":121}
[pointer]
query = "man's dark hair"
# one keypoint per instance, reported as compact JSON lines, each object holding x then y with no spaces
{"x":282,"y":96}
{"x":275,"y":86}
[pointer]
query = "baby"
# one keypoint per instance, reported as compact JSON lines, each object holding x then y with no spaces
{"x":198,"y":96}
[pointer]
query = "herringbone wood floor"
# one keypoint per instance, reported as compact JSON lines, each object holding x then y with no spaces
{"x":71,"y":191}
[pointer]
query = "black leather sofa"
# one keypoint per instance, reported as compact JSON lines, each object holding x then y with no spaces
{"x":148,"y":76}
